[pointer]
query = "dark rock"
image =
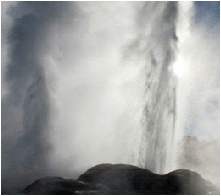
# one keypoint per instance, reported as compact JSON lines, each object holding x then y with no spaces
{"x":118,"y":177}
{"x":56,"y":186}
{"x":121,"y":179}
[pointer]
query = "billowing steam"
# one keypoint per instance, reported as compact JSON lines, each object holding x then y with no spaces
{"x":85,"y":83}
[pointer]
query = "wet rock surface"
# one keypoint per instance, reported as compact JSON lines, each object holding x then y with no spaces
{"x":123,"y":179}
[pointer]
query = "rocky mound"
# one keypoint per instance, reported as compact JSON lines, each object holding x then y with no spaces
{"x":124,"y":179}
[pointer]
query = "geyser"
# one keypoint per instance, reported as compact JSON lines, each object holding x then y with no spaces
{"x":114,"y":99}
{"x":93,"y":83}
{"x":86,"y":83}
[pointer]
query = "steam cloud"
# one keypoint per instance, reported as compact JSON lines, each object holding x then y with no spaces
{"x":72,"y":91}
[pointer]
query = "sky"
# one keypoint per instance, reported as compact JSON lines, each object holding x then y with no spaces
{"x":199,"y":73}
{"x":204,"y":8}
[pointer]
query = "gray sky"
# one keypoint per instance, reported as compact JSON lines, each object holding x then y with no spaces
{"x":200,"y":79}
